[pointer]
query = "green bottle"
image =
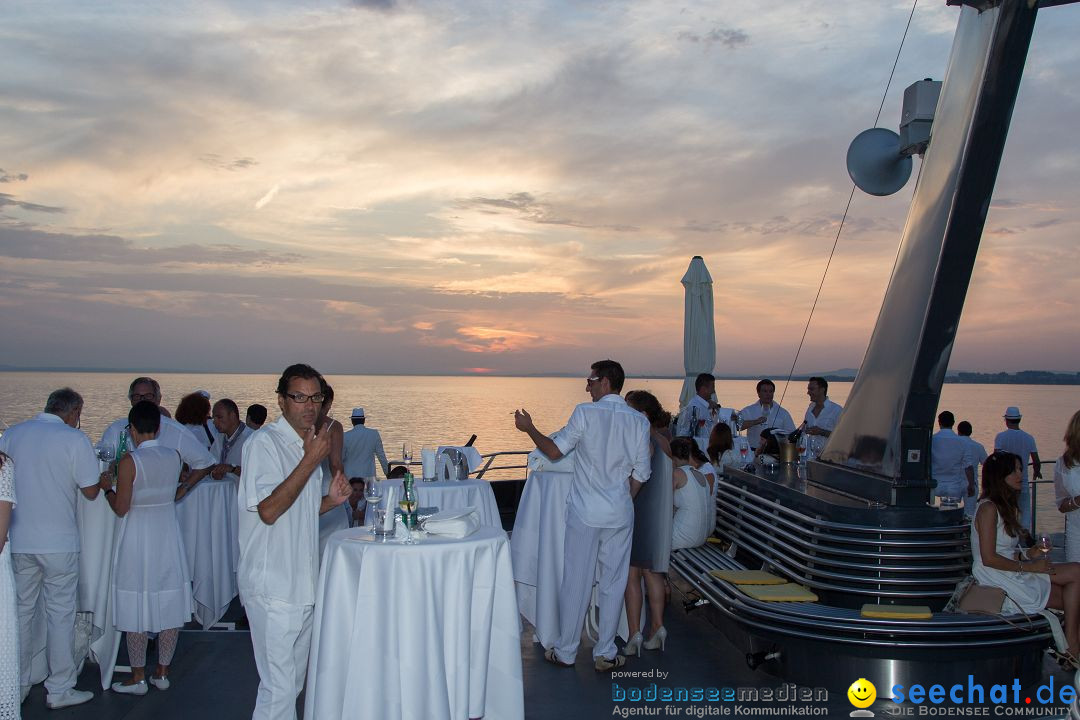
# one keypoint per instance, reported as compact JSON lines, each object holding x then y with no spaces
{"x":121,"y":451}
{"x":408,"y":501}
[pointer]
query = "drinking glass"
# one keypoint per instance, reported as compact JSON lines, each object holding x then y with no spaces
{"x":372,"y":494}
{"x":408,"y":505}
{"x":406,"y":453}
{"x":1044,"y":542}
{"x":106,"y":454}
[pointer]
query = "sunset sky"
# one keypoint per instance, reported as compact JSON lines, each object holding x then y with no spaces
{"x":505,"y":187}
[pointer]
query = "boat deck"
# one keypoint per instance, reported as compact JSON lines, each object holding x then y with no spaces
{"x":213,"y":676}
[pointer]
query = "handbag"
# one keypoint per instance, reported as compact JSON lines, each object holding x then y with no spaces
{"x":982,"y":599}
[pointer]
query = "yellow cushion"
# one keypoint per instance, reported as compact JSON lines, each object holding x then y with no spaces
{"x":906,"y":612}
{"x":716,"y":540}
{"x":788,"y":592}
{"x":748,"y":577}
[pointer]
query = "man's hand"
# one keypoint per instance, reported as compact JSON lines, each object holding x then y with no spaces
{"x":523,"y":421}
{"x":340,"y":489}
{"x":316,"y":447}
{"x":219,"y":471}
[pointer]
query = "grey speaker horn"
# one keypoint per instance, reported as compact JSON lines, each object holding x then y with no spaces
{"x":875,"y":164}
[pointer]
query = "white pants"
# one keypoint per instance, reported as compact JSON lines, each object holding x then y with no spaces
{"x":281,"y":638}
{"x":586,"y":546}
{"x":57,"y":574}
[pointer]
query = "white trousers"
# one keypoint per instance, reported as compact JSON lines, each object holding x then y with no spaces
{"x":281,"y":638}
{"x":585,"y":547}
{"x":56,"y":575}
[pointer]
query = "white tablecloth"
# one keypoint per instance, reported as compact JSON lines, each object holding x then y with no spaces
{"x":97,"y":531}
{"x":450,"y":495}
{"x":537,"y":546}
{"x":446,"y":630}
{"x":209,"y":521}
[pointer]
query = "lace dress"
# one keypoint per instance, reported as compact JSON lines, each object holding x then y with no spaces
{"x":9,"y":630}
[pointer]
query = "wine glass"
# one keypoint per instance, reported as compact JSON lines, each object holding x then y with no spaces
{"x":372,"y":495}
{"x":1044,"y":543}
{"x":406,"y":453}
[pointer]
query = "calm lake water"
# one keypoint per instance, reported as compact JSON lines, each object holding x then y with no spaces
{"x":433,"y":410}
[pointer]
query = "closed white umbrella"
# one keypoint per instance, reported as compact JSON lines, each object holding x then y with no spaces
{"x":699,"y":336}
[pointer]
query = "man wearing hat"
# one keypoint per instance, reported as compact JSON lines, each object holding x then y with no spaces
{"x":362,"y":446}
{"x":1019,"y":443}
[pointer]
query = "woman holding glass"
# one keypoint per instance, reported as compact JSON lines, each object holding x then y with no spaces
{"x":1030,"y":581}
{"x":150,"y":585}
{"x":1067,"y":488}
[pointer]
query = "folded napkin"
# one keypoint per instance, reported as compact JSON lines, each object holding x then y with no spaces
{"x":456,"y":523}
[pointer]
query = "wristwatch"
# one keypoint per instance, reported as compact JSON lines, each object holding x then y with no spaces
{"x":109,"y":490}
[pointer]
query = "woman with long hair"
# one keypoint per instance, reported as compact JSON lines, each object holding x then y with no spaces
{"x":721,"y":448}
{"x":1030,"y":581}
{"x":9,"y":628}
{"x":651,"y":548}
{"x":700,"y":462}
{"x":1067,"y":487}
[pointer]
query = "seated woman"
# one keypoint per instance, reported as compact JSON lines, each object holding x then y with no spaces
{"x":690,"y":526}
{"x":768,"y":451}
{"x":700,"y":462}
{"x":721,"y":448}
{"x":1067,"y":488}
{"x":1030,"y":581}
{"x":150,"y":585}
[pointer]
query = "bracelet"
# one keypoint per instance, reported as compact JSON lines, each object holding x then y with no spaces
{"x":109,"y":490}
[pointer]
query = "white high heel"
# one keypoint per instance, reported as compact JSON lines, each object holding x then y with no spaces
{"x":657,"y":641}
{"x":633,"y":646}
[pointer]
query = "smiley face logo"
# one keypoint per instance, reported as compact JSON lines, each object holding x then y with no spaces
{"x":862,"y":693}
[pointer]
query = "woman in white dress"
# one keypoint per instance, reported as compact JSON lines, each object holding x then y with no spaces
{"x":1067,"y":488}
{"x":700,"y":462}
{"x":151,"y":588}
{"x":1030,"y":581}
{"x":690,"y":526}
{"x":9,"y":629}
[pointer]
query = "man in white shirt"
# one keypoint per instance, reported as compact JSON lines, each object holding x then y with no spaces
{"x":361,"y":446}
{"x":193,"y":451}
{"x":977,"y":456}
{"x":821,"y":415}
{"x":611,"y":461}
{"x":950,"y":461}
{"x":702,"y":413}
{"x":1013,"y":439}
{"x":228,"y":446}
{"x":53,"y":460}
{"x":280,"y":499}
{"x":764,"y":414}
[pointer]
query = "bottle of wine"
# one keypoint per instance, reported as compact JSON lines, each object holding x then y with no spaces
{"x":408,"y":501}
{"x":121,"y":451}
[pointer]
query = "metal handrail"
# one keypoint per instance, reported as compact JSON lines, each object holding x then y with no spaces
{"x":491,"y":457}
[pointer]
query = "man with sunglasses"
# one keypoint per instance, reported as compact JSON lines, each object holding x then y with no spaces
{"x":610,"y":441}
{"x":171,"y":435}
{"x":280,"y":500}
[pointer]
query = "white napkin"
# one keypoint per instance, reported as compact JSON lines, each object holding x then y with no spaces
{"x":427,"y":456}
{"x":456,"y":523}
{"x":391,"y":503}
{"x":538,"y":461}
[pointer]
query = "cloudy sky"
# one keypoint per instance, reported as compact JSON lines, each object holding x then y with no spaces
{"x":512,"y":187}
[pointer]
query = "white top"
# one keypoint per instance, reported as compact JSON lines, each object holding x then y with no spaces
{"x":201,"y":433}
{"x":1066,"y":481}
{"x":976,"y":452}
{"x":278,"y":561}
{"x":1019,"y":443}
{"x":611,"y":444}
{"x":830,"y":415}
{"x":949,"y":457}
{"x":696,"y":410}
{"x":52,"y":460}
{"x":361,"y":446}
{"x":776,"y":417}
{"x":690,"y":526}
{"x":171,"y":434}
{"x":236,"y":448}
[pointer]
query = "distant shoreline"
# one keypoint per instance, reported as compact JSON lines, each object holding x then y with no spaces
{"x":1024,"y":377}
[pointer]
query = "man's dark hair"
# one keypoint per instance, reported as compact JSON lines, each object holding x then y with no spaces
{"x":63,"y":401}
{"x":257,"y":413}
{"x":229,"y":405}
{"x":358,"y":421}
{"x":963,"y":428}
{"x":612,"y":371}
{"x":299,"y":370}
{"x":822,"y":382}
{"x":946,"y":419}
{"x":702,"y":379}
{"x":149,"y":381}
{"x":763,"y":382}
{"x":145,"y":417}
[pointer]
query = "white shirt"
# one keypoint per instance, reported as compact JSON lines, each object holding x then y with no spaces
{"x":830,"y":415}
{"x":976,"y":452}
{"x":1017,"y":442}
{"x":52,"y":460}
{"x":235,"y":454}
{"x":171,"y":434}
{"x":279,"y":561}
{"x":359,"y":448}
{"x":776,"y":417}
{"x":611,"y":443}
{"x":950,"y":455}
{"x":696,"y":410}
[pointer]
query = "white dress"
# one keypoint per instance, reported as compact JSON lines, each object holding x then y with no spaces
{"x":690,"y":526}
{"x":1068,"y":480}
{"x":1027,"y":592}
{"x":151,"y":585}
{"x":9,"y":627}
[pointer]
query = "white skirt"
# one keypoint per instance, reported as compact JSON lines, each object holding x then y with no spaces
{"x":151,"y":586}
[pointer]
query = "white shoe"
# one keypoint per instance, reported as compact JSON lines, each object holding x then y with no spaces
{"x":68,"y":698}
{"x":161,"y":683}
{"x":138,"y":688}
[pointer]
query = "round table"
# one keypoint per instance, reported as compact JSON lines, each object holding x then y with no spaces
{"x":443,"y":644}
{"x":209,"y":526}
